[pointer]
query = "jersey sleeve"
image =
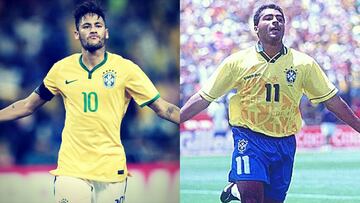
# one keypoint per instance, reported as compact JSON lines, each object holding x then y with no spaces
{"x":43,"y":92}
{"x":221,"y":81}
{"x":140,"y":87}
{"x":317,"y":86}
{"x":50,"y":80}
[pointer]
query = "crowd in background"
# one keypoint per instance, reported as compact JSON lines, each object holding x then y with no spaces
{"x":36,"y":33}
{"x":329,"y":31}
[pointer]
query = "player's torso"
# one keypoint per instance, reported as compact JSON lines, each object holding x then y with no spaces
{"x":98,"y":94}
{"x":268,"y":94}
{"x":95,"y":102}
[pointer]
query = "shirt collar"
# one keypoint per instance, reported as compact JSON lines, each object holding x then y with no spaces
{"x":259,"y":48}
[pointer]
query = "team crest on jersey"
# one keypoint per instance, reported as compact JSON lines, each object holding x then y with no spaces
{"x":290,"y":75}
{"x":109,"y":78}
{"x":242,"y":145}
{"x":63,"y":200}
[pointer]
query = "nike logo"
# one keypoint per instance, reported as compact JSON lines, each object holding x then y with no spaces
{"x":69,"y":81}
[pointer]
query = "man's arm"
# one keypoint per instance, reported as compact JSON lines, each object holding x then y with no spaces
{"x":166,"y":110}
{"x":21,"y":108}
{"x":193,"y":106}
{"x":343,"y":112}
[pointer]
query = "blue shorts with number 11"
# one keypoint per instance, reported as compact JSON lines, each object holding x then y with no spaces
{"x":259,"y":157}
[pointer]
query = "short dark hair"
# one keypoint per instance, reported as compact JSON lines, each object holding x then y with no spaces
{"x":263,"y":7}
{"x":86,"y":7}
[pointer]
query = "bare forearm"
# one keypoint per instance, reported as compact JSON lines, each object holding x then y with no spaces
{"x":193,"y":106}
{"x":14,"y":111}
{"x":166,"y":110}
{"x":21,"y":108}
{"x":347,"y":115}
{"x":343,"y":112}
{"x":170,"y":113}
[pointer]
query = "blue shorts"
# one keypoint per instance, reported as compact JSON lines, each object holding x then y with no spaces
{"x":262,"y":158}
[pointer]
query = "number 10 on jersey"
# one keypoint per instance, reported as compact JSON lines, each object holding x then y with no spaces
{"x":90,"y":101}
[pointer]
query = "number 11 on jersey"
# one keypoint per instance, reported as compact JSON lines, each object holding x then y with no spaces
{"x":242,"y":165}
{"x":268,"y":87}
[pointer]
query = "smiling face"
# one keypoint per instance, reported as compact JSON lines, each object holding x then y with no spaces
{"x":271,"y":27}
{"x":92,"y":32}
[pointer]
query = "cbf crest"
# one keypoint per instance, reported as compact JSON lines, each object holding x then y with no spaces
{"x":242,"y":144}
{"x":291,"y":74}
{"x":109,"y":78}
{"x":64,"y":200}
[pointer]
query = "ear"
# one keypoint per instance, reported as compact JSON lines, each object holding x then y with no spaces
{"x":76,"y":34}
{"x":256,"y":29}
{"x":106,"y":34}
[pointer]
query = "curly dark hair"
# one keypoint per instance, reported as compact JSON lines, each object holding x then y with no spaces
{"x":86,"y":7}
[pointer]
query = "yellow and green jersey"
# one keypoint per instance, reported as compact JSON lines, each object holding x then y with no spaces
{"x":268,"y":90}
{"x":95,"y":103}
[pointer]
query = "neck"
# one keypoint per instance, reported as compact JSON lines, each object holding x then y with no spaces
{"x":91,"y":59}
{"x":270,"y":49}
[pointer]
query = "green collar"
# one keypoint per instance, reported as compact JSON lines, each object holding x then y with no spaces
{"x":95,"y":67}
{"x":259,"y":48}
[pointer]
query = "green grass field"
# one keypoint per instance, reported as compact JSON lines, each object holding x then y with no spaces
{"x":318,"y":177}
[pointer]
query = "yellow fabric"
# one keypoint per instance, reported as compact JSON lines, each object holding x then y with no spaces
{"x":95,"y":104}
{"x":257,"y":82}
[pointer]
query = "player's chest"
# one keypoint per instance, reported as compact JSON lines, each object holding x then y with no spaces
{"x":283,"y":74}
{"x":75,"y":81}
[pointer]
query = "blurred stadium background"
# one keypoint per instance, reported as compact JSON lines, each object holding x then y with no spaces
{"x":37,"y":33}
{"x":328,"y":151}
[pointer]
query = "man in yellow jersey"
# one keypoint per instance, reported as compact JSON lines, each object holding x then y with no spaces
{"x":269,"y":80}
{"x":96,"y":87}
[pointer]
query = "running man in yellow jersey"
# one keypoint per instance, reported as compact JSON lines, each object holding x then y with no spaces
{"x":269,"y":80}
{"x":96,"y":87}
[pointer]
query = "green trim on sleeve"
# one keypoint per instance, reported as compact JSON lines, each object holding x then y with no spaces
{"x":150,"y":101}
{"x":206,"y":96}
{"x":95,"y":67}
{"x":325,"y":97}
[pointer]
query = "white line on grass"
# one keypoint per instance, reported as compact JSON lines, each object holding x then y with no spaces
{"x":293,"y":195}
{"x":201,"y":192}
{"x":323,"y":196}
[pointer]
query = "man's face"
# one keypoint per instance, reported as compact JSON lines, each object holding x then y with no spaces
{"x":92,"y":32}
{"x":271,"y":27}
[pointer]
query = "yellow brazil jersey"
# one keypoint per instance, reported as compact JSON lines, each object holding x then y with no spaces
{"x":268,"y":90}
{"x":95,"y":102}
